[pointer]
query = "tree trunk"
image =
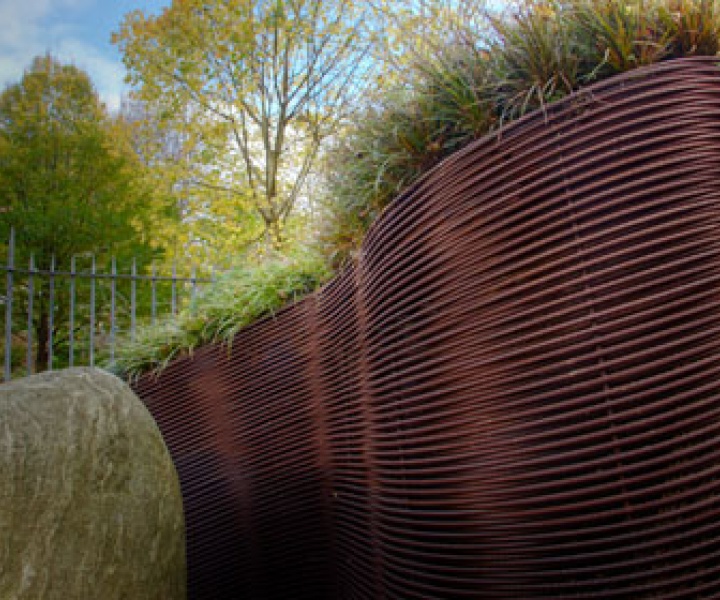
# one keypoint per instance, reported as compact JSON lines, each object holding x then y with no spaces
{"x":273,"y":229}
{"x":276,"y":234}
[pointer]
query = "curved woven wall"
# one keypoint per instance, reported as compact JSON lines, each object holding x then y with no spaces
{"x":514,"y":394}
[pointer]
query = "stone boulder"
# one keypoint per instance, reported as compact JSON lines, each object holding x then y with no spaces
{"x":90,"y":504}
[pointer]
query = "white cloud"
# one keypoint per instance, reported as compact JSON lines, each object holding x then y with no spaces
{"x":107,"y":74}
{"x":25,"y":34}
{"x":20,"y":35}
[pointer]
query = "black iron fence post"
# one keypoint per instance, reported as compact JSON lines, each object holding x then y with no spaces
{"x":30,"y":325}
{"x":86,"y":305}
{"x":51,"y":314}
{"x":9,"y":305}
{"x":71,"y":326}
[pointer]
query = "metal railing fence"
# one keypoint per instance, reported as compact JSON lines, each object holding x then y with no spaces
{"x":66,"y":317}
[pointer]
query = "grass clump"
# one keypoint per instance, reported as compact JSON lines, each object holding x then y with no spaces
{"x":491,"y":70}
{"x":239,"y":297}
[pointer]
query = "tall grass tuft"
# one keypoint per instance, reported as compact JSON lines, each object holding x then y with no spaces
{"x":238,"y":298}
{"x":696,"y":26}
{"x":489,"y":71}
{"x":537,"y":58}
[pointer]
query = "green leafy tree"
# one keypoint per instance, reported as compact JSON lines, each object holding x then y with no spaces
{"x":69,"y":182}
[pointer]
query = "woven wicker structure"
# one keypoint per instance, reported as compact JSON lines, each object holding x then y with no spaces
{"x":514,"y":394}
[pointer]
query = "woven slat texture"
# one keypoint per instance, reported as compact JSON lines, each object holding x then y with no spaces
{"x":513,"y":394}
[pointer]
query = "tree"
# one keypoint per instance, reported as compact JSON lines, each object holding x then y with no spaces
{"x":207,"y":226}
{"x":68,"y":182}
{"x":267,"y":82}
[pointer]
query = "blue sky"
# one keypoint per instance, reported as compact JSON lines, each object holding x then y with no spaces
{"x":76,"y":31}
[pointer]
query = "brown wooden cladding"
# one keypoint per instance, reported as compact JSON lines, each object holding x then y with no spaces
{"x":513,"y":394}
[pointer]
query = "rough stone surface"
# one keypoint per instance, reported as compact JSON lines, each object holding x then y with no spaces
{"x":90,"y":504}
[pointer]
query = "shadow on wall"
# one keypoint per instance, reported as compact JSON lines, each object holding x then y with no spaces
{"x":513,"y":394}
